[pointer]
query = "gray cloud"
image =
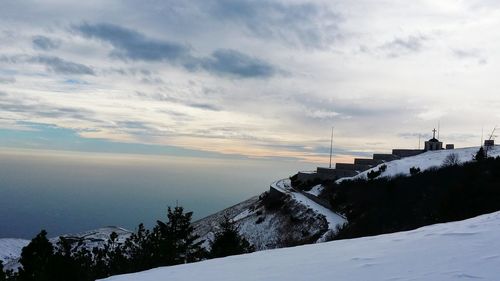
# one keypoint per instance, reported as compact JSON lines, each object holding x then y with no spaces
{"x":469,"y":54}
{"x":130,"y":44}
{"x":44,"y":43}
{"x":402,"y":46}
{"x":232,"y":62}
{"x":300,"y":24}
{"x":7,"y":80}
{"x":134,"y":45}
{"x":52,"y":63}
{"x":60,"y":66}
{"x":37,"y":109}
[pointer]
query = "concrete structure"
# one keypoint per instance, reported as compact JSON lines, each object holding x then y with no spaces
{"x":402,"y":153}
{"x":366,"y":161}
{"x":385,"y":157}
{"x":450,"y":146}
{"x":352,"y":167}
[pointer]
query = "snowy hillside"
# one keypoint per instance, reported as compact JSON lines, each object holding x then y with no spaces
{"x":297,"y":220}
{"x":426,"y":160}
{"x":464,"y":250}
{"x":10,"y":249}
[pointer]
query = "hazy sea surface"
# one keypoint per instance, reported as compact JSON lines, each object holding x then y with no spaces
{"x":65,"y":192}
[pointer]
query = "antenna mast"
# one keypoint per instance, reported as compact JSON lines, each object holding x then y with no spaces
{"x":439,"y":125}
{"x":331,"y":149}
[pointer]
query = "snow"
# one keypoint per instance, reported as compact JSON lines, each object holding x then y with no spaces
{"x":462,"y":250}
{"x":425,"y":161}
{"x":334,"y":220}
{"x":10,"y":249}
{"x":316,"y":190}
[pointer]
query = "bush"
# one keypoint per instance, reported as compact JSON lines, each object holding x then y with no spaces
{"x":228,"y":241}
{"x":373,"y":174}
{"x":402,"y":203}
{"x":480,"y":154}
{"x":414,"y":170}
{"x":451,"y":160}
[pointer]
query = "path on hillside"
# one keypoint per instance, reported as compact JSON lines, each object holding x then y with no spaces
{"x":333,"y":219}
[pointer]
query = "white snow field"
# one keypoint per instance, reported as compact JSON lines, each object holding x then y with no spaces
{"x":464,"y":250}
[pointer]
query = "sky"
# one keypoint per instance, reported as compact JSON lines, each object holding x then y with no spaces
{"x":257,"y":79}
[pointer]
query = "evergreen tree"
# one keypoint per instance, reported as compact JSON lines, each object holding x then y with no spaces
{"x":480,"y":155}
{"x":174,"y":241}
{"x":228,"y":241}
{"x":3,"y":277}
{"x":139,"y":248}
{"x":36,"y":258}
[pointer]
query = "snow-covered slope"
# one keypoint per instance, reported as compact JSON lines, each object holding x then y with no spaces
{"x":297,"y":220}
{"x":10,"y":249}
{"x":425,"y":161}
{"x":289,"y":224}
{"x":465,"y":250}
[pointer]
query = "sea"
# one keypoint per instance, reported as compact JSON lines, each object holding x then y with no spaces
{"x":71,"y":192}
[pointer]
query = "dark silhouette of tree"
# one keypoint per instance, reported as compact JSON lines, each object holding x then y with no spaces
{"x":480,"y":154}
{"x":373,"y":174}
{"x":139,"y":248}
{"x":414,"y":170}
{"x":451,"y":160}
{"x":228,"y":241}
{"x":36,"y":259}
{"x":174,"y":241}
{"x":3,"y":277}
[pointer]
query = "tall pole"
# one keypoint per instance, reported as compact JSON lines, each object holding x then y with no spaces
{"x":439,"y":125}
{"x":331,"y":149}
{"x":482,"y":136}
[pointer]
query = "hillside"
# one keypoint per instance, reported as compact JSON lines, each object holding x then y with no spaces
{"x":425,"y":161}
{"x":268,"y":223}
{"x":10,"y":249}
{"x":452,"y":251}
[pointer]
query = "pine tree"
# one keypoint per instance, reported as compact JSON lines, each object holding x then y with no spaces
{"x":174,"y":241}
{"x":2,"y":273}
{"x":139,"y":249}
{"x":228,"y":241}
{"x":36,"y":258}
{"x":480,"y":155}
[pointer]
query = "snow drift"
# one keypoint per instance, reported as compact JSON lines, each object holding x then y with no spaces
{"x":461,"y":250}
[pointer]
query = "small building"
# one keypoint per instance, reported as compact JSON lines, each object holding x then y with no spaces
{"x":433,"y":144}
{"x":450,"y":146}
{"x":489,"y":143}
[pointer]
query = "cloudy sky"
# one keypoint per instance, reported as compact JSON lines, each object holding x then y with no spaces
{"x":247,"y":78}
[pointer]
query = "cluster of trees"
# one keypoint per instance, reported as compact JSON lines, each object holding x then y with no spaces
{"x":168,"y":243}
{"x":452,"y":192}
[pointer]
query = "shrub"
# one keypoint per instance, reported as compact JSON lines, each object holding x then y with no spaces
{"x":414,"y":170}
{"x":451,"y":160}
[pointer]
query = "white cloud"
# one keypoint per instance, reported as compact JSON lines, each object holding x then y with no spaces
{"x":332,"y":59}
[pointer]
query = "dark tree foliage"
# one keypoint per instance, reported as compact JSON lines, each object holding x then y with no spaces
{"x":169,"y":243}
{"x":373,"y":174}
{"x":387,"y":205}
{"x":480,"y":154}
{"x":228,"y":241}
{"x":414,"y":170}
{"x":37,"y":259}
{"x":3,"y":276}
{"x":174,"y":240}
{"x":382,"y":168}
